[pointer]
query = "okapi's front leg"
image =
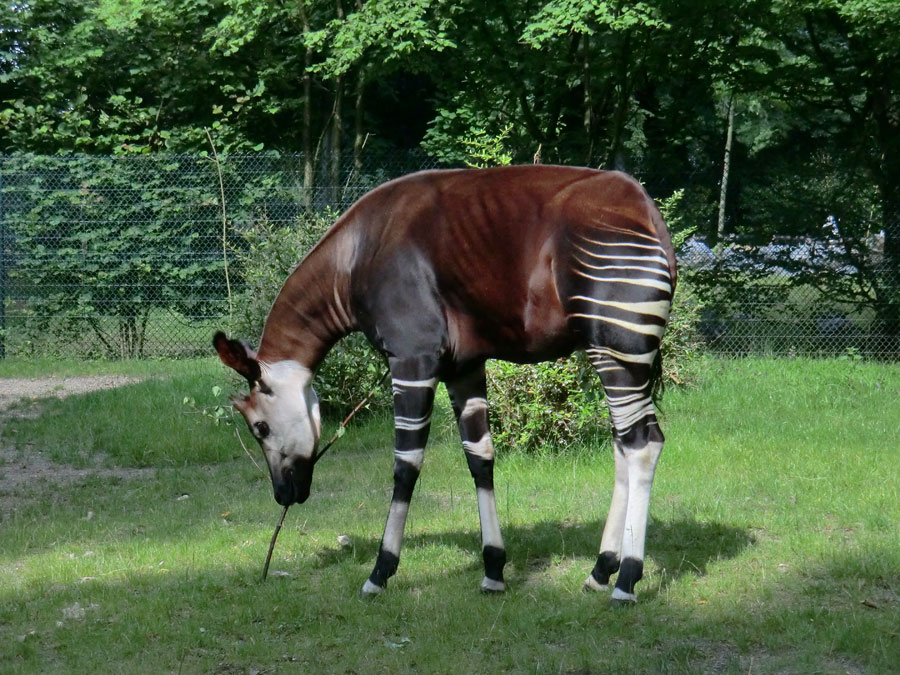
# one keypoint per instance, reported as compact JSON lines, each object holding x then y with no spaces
{"x":468,"y":395}
{"x":413,"y":387}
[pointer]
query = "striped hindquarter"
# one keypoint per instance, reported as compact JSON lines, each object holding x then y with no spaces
{"x":618,"y":295}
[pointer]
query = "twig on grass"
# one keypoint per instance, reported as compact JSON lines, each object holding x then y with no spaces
{"x":272,"y":543}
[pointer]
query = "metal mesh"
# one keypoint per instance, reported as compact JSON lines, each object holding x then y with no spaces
{"x":126,"y":257}
{"x":822,"y":296}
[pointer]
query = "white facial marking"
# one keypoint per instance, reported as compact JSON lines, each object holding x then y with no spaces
{"x":290,"y":409}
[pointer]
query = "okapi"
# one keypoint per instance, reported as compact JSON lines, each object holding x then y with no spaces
{"x":442,"y":270}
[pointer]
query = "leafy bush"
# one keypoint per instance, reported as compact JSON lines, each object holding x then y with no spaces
{"x":268,"y":257}
{"x":545,"y":405}
{"x":682,"y":342}
{"x":102,"y":245}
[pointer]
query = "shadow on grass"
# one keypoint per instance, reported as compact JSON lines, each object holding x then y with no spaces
{"x":221,"y":619}
{"x":678,"y":547}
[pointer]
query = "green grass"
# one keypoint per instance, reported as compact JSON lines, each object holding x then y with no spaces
{"x":773,"y":546}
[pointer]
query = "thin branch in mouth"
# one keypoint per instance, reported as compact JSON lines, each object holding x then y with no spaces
{"x":272,"y":543}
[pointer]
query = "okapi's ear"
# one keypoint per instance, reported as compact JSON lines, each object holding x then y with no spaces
{"x":237,"y":355}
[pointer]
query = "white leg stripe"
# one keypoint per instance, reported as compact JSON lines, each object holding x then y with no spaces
{"x":644,"y":329}
{"x":658,"y":308}
{"x":430,"y":384}
{"x":648,"y":258}
{"x":651,"y":283}
{"x":473,"y":406}
{"x":483,"y":447}
{"x":621,"y":244}
{"x":624,"y":400}
{"x":490,"y":525}
{"x":412,"y":423}
{"x":652,"y":270}
{"x":646,"y":357}
{"x":626,"y":416}
{"x":414,"y":457}
{"x":393,"y":530}
{"x":638,"y":388}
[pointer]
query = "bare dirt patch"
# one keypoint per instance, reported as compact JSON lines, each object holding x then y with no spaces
{"x":21,"y":470}
{"x":15,"y":389}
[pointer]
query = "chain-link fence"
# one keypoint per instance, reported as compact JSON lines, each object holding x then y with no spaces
{"x":135,"y":256}
{"x":129,"y":256}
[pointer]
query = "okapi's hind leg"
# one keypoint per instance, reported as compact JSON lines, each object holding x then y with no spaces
{"x":468,"y":395}
{"x":637,"y":443}
{"x":414,"y":382}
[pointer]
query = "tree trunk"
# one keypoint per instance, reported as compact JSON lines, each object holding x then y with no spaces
{"x":885,"y":114}
{"x":337,"y":128}
{"x":726,"y":169}
{"x":588,"y":99}
{"x":308,"y":159}
{"x":889,"y":277}
{"x":615,"y":159}
{"x":359,"y":139}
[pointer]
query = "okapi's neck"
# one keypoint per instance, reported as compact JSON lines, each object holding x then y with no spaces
{"x":312,"y":311}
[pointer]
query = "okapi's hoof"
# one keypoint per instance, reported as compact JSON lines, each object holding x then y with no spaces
{"x":622,"y":599}
{"x":594,"y":586}
{"x":490,"y":586}
{"x":370,"y":590}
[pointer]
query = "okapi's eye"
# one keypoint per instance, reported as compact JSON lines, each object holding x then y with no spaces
{"x":262,"y":430}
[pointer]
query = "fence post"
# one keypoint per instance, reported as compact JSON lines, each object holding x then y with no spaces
{"x":3,"y":263}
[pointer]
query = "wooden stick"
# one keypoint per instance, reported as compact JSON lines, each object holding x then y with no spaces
{"x":272,"y":543}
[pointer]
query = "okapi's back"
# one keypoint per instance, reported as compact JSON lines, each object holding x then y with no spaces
{"x":491,"y":243}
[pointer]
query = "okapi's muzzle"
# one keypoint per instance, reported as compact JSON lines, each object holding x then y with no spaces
{"x":293,"y":485}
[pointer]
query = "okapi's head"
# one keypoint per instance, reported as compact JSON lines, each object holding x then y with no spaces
{"x":282,"y":411}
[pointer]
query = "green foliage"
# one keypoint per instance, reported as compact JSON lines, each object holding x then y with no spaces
{"x":545,"y":406}
{"x":86,"y":258}
{"x":268,"y":253}
{"x":267,"y":257}
{"x":682,"y":344}
{"x":412,"y":27}
{"x":485,"y":150}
